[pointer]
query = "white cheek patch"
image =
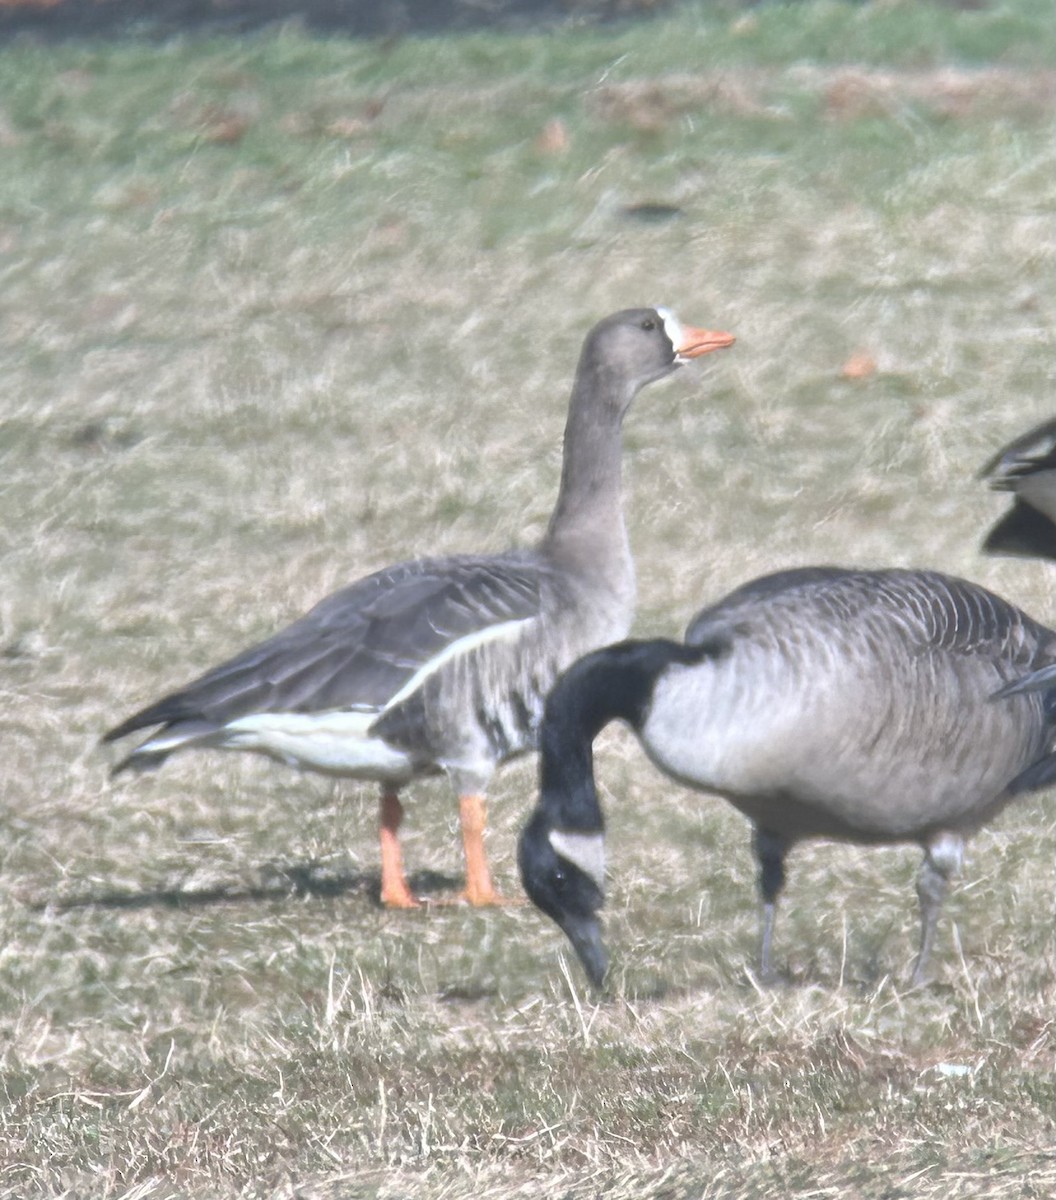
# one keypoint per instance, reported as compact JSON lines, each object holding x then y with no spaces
{"x":672,"y":327}
{"x":584,"y":850}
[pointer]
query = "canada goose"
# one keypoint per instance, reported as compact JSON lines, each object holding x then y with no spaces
{"x":821,"y":702}
{"x":1027,"y":468}
{"x":441,"y":664}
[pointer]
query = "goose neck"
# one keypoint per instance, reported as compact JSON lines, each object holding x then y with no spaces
{"x":587,"y":522}
{"x":614,"y":683}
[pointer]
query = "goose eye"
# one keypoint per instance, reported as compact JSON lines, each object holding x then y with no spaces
{"x":649,"y":323}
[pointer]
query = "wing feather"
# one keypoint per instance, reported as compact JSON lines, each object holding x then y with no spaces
{"x":1028,"y":454}
{"x":357,"y":648}
{"x":936,"y":612}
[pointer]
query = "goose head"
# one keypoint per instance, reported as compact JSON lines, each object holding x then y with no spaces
{"x":561,"y":853}
{"x":563,"y":872}
{"x":635,"y":347}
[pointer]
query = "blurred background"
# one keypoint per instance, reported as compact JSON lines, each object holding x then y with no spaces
{"x":294,"y":291}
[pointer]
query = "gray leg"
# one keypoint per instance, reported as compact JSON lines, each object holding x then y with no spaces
{"x":943,"y":857}
{"x":770,"y":850}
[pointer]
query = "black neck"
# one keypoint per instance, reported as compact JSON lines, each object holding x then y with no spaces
{"x":612,"y":684}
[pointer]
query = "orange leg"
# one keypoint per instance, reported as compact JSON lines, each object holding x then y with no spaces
{"x":479,"y":888}
{"x":395,"y":893}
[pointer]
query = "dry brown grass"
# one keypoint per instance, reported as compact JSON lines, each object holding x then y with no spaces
{"x":278,"y":313}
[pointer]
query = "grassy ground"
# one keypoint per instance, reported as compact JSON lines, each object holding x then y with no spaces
{"x":277,"y":312}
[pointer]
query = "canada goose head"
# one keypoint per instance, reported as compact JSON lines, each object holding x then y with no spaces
{"x":561,"y":853}
{"x":563,"y":872}
{"x":625,"y":352}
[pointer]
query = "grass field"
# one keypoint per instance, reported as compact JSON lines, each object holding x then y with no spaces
{"x":277,"y":312}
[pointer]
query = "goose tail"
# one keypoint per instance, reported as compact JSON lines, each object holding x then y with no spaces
{"x":1042,"y":680}
{"x":149,"y":755}
{"x":1022,"y":532}
{"x":1041,"y":774}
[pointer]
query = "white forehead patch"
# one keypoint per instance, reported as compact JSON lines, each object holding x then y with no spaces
{"x":672,"y":327}
{"x":584,"y":850}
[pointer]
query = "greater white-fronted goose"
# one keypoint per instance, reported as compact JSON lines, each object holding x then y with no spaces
{"x":442,"y":664}
{"x":1027,"y":468}
{"x":822,"y":703}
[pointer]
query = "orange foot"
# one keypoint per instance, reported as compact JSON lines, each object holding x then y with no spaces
{"x":395,"y":896}
{"x":395,"y":893}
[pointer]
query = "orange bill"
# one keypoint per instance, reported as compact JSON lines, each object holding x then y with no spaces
{"x":695,"y":342}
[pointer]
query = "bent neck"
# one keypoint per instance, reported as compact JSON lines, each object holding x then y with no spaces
{"x":615,"y":683}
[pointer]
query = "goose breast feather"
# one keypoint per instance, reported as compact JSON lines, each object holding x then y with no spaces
{"x":480,"y":698}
